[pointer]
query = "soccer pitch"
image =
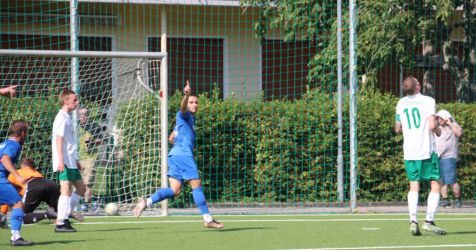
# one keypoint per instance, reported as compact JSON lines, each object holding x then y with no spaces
{"x":327,"y":231}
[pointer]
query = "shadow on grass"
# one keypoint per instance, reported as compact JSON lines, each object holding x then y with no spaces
{"x":41,"y":243}
{"x":116,"y":229}
{"x":463,"y":232}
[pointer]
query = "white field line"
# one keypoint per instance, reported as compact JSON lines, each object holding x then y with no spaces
{"x":291,"y":215}
{"x":371,"y":228}
{"x":394,"y":247}
{"x":266,"y":220}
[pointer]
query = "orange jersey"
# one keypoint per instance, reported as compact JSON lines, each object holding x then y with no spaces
{"x":26,"y":173}
{"x":4,"y":209}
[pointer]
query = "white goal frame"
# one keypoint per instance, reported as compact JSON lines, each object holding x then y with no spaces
{"x":163,"y":93}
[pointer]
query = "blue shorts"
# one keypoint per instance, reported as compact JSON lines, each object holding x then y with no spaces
{"x":448,"y":170}
{"x":182,"y":168}
{"x":8,"y":194}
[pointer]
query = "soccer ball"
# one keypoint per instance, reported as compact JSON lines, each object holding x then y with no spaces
{"x":111,"y":209}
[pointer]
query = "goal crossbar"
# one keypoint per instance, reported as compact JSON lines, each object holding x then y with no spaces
{"x":66,"y":53}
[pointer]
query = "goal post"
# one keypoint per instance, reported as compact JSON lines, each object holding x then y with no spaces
{"x":121,"y":126}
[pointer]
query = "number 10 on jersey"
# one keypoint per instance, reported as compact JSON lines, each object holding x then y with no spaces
{"x":415,"y":113}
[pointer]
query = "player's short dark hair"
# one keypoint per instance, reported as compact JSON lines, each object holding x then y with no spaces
{"x":413,"y":85}
{"x":411,"y":79}
{"x":18,"y":127}
{"x":29,"y":162}
{"x":63,"y":97}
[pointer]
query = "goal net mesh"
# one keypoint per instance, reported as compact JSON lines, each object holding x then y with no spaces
{"x":117,"y":123}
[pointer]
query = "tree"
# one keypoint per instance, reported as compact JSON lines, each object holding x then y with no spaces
{"x":391,"y":31}
{"x":462,"y":66}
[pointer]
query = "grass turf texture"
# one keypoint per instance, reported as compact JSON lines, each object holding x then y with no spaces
{"x":253,"y":232}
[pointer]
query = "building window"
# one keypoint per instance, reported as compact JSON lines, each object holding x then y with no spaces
{"x":284,"y":68}
{"x":41,"y":76}
{"x":199,"y":60}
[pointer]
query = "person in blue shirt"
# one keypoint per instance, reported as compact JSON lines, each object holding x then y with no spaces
{"x":9,"y":152}
{"x":182,"y":166}
{"x":9,"y":91}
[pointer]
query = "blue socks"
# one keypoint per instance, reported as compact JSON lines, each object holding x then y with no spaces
{"x":16,"y":218}
{"x":199,"y":199}
{"x":162,"y":194}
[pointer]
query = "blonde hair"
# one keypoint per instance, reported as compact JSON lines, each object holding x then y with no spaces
{"x":64,"y":96}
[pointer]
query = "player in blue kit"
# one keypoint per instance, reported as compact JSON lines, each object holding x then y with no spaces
{"x":9,"y":152}
{"x":9,"y":91}
{"x":182,"y":166}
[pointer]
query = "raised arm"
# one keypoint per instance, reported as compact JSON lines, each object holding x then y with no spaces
{"x":184,"y":104}
{"x":433,"y":125}
{"x":455,"y":127}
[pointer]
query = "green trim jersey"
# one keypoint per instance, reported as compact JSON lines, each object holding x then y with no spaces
{"x":412,"y":113}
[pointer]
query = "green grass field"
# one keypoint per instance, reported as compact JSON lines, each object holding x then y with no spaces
{"x":347,"y":231}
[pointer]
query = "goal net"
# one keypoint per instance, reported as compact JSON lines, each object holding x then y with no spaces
{"x":117,"y":123}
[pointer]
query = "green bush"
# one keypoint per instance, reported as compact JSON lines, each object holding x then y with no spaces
{"x":286,"y":150}
{"x":380,"y":151}
{"x":255,"y":151}
{"x":40,"y":112}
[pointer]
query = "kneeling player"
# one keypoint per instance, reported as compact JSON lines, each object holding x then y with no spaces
{"x":36,"y":190}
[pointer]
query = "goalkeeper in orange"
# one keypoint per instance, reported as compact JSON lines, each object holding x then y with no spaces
{"x":35,"y":190}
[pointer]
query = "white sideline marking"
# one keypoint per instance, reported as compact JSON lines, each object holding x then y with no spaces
{"x":266,"y":220}
{"x":371,"y":228}
{"x":297,"y":215}
{"x":390,"y":247}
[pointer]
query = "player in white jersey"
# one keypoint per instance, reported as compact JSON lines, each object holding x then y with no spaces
{"x":416,"y":119}
{"x":65,"y":162}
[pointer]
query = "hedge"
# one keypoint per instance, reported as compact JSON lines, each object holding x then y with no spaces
{"x":380,"y":151}
{"x":262,"y":151}
{"x":286,"y":150}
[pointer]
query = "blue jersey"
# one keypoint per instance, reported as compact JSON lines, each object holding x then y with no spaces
{"x":184,"y":130}
{"x":12,"y":149}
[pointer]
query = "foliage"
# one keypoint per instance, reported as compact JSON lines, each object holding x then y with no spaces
{"x":254,"y":151}
{"x":380,"y":151}
{"x":286,"y":151}
{"x":390,"y":31}
{"x":38,"y":111}
{"x":139,"y":143}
